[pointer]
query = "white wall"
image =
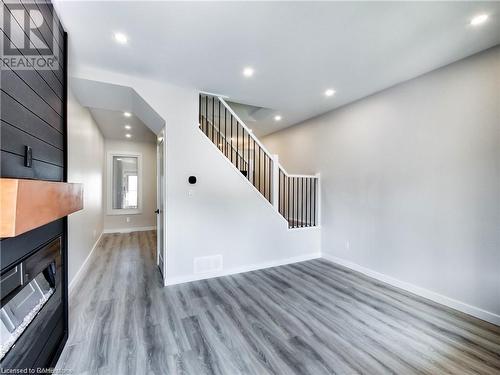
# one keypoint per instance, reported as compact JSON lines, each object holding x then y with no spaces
{"x":225,"y":215}
{"x":411,"y":181}
{"x":86,"y":166}
{"x":147,"y":218}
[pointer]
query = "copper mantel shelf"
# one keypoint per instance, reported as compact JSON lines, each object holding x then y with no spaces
{"x":29,"y":204}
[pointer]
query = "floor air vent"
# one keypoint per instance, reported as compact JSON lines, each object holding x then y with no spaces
{"x":211,"y":263}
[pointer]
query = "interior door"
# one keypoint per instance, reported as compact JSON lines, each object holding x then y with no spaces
{"x":160,"y":217}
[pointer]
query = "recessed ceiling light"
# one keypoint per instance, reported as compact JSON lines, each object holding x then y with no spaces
{"x":479,"y":19}
{"x":128,"y":127}
{"x":329,"y":92}
{"x":118,"y":159}
{"x":127,"y":114}
{"x":248,"y":72}
{"x":277,"y":118}
{"x":121,"y":38}
{"x":128,"y":135}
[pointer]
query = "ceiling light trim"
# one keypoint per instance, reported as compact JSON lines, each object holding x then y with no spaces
{"x":330,"y":92}
{"x":248,"y":71}
{"x":120,"y":38}
{"x":479,"y":19}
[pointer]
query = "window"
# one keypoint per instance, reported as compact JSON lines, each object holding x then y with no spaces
{"x":131,"y":195}
{"x":124,"y":183}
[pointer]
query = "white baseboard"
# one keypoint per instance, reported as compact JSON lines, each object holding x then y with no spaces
{"x":433,"y":296}
{"x":236,"y":270}
{"x":80,"y":271}
{"x":129,"y":230}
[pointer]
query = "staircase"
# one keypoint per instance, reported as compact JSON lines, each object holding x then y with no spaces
{"x":295,"y":197}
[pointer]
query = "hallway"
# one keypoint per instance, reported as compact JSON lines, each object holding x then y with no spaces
{"x":308,"y":318}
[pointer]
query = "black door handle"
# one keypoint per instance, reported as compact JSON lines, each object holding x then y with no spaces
{"x":157,"y":211}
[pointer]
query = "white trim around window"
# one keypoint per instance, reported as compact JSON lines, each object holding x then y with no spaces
{"x":109,"y":184}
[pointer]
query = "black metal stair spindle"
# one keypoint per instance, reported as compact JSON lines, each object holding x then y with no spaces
{"x":244,"y":137}
{"x":270,"y":179}
{"x":213,"y":123}
{"x":296,"y":201}
{"x":260,"y":160}
{"x":305,"y":200}
{"x":208,"y":119}
{"x":303,"y":195}
{"x":218,"y":127}
{"x":308,"y":203}
{"x":297,"y":216}
{"x":310,"y":200}
{"x":314,"y":215}
{"x":279,"y":192}
{"x":206,"y":111}
{"x":299,"y":199}
{"x":298,"y":208}
{"x":253,"y":166}
{"x":231,"y":139}
{"x":237,"y":144}
{"x":225,"y":131}
{"x":293,"y":202}
{"x":288,"y":200}
{"x":301,"y":188}
{"x":306,"y":181}
{"x":248,"y":157}
{"x":265,"y":174}
{"x":283,"y":194}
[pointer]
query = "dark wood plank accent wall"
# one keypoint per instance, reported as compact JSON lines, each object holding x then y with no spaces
{"x":33,"y":114}
{"x":32,"y":103}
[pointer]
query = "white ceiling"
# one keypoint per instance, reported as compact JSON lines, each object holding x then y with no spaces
{"x":112,"y":125}
{"x":297,"y":49}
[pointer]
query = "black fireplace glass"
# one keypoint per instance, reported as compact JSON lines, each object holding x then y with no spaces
{"x":21,"y":309}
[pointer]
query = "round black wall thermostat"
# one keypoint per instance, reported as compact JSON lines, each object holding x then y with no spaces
{"x":192,"y":180}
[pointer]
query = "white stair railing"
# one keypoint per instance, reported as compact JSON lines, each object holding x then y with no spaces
{"x":298,"y":197}
{"x":295,"y":197}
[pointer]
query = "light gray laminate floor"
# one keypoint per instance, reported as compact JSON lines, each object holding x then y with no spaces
{"x":306,"y":318}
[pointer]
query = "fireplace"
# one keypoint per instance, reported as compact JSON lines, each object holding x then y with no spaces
{"x":35,"y":195}
{"x":33,"y":278}
{"x":31,"y":316}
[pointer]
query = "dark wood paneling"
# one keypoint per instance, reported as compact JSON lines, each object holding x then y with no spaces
{"x":14,"y":140}
{"x":33,"y":113}
{"x":12,"y":166}
{"x":39,"y":84}
{"x":20,"y":117}
{"x":54,"y":45}
{"x":51,"y":77}
{"x":56,"y":29}
{"x":30,"y":98}
{"x":51,"y":351}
